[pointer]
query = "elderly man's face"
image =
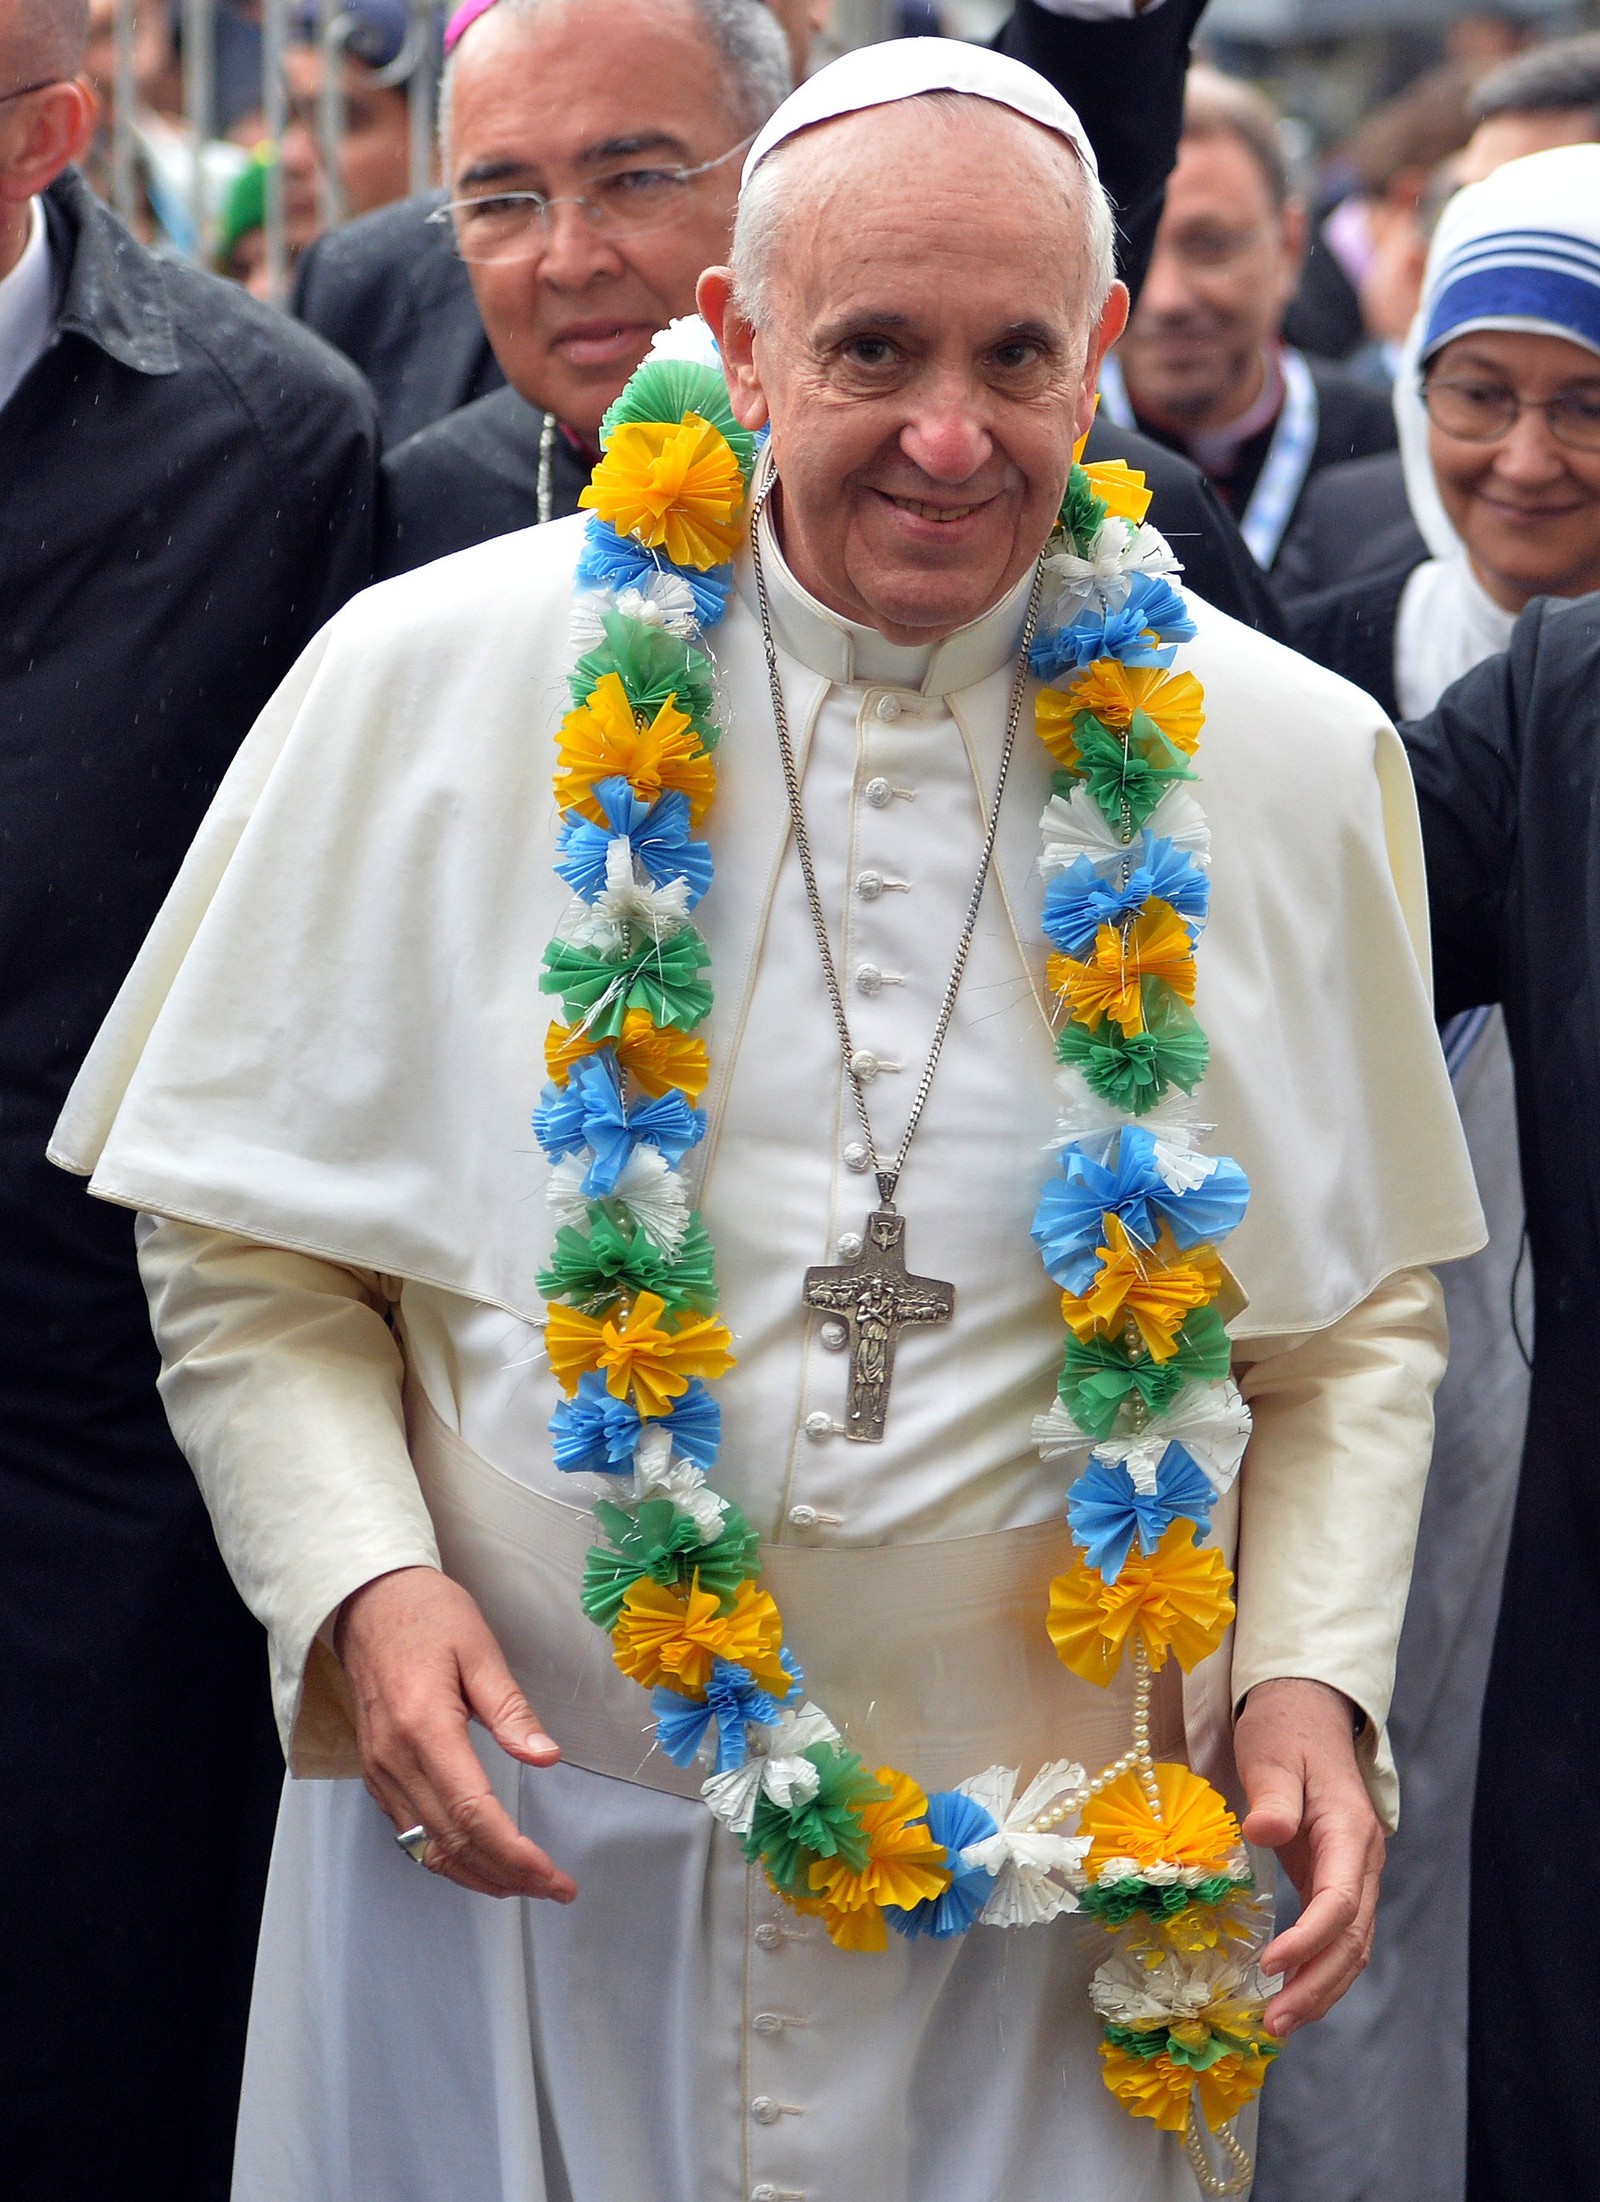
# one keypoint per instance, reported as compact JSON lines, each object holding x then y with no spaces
{"x":928,"y":361}
{"x":594,"y":102}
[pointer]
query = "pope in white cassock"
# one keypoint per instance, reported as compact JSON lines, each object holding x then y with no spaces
{"x":407,"y":1343}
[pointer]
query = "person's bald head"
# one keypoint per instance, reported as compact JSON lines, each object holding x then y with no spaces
{"x":918,"y":304}
{"x":46,"y":115}
{"x":41,"y":39}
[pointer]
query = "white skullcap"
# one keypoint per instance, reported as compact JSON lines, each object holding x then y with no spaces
{"x":903,"y":68}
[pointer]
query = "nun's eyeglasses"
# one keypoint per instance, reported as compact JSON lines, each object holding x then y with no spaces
{"x":1483,"y":412}
{"x":505,"y":226}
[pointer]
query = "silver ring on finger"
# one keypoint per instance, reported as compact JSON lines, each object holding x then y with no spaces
{"x":414,"y":1842}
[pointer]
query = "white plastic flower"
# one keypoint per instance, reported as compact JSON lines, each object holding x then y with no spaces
{"x":687,"y":338}
{"x":1210,"y":1421}
{"x":659,"y":1474}
{"x":1074,"y":825}
{"x":775,"y":1768}
{"x":633,"y":906}
{"x":1036,"y":1875}
{"x":666,"y":601}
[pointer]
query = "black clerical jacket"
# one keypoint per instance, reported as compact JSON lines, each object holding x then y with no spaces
{"x":186,"y":481}
{"x":1508,"y":779}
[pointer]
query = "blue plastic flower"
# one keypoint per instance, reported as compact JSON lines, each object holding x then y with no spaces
{"x":1082,"y":898}
{"x":731,"y":1699}
{"x":1068,"y":1224}
{"x":954,"y":1820}
{"x":612,"y":561}
{"x":1145,"y":629}
{"x":589,"y":1111}
{"x":1106,"y":1509}
{"x":594,"y":1434}
{"x":658,"y":835}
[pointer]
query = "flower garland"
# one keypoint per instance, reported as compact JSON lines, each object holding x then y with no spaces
{"x":1128,"y":1227}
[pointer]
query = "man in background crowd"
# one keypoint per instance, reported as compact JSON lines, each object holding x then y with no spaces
{"x":185,"y":482}
{"x":1203,"y":368}
{"x":1550,"y":96}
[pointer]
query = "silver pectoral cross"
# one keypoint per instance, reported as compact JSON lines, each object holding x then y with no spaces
{"x":876,"y":1298}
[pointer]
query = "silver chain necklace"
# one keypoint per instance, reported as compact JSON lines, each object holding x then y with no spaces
{"x":547,"y":450}
{"x":874,"y":1295}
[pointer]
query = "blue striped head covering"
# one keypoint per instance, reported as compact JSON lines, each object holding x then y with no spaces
{"x":1521,"y":250}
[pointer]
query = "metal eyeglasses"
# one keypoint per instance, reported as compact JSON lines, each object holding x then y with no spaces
{"x":504,"y":226}
{"x":1483,"y":412}
{"x":23,"y":90}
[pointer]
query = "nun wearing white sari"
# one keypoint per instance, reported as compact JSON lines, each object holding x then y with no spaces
{"x":1498,"y":404}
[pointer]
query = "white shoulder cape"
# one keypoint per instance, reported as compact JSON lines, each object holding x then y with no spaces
{"x":332,"y":1039}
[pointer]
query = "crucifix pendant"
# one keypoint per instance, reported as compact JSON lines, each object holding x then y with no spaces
{"x":876,"y":1298}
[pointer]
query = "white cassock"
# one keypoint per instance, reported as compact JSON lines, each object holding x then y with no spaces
{"x":322,"y":1070}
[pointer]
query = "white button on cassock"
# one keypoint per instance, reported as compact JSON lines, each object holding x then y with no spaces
{"x":878,"y":793}
{"x":856,"y":1157}
{"x":889,"y":708}
{"x":849,"y":1243}
{"x":765,"y":2111}
{"x":869,"y":979}
{"x":768,"y":1937}
{"x":864,"y":1063}
{"x":869,"y":885}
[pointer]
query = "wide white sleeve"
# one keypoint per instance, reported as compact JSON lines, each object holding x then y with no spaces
{"x":1329,"y":1501}
{"x":282,"y":1381}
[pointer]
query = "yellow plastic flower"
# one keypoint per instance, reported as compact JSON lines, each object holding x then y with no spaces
{"x":1120,"y":487}
{"x":905,"y":1866}
{"x":671,"y":1634}
{"x":1152,"y":1287}
{"x":662,"y":1060}
{"x":1177,"y":1599}
{"x":605,"y":738}
{"x":1155,"y":946}
{"x":641,"y":1356}
{"x":1195,"y":1828}
{"x":1113,"y":692}
{"x":1155,"y":2087}
{"x":673,"y":486}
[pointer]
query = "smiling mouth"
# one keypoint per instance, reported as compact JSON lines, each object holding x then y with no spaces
{"x":941,"y":515}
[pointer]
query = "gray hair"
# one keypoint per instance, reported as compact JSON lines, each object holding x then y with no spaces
{"x":744,"y":34}
{"x":763,"y":206}
{"x":51,"y":34}
{"x":1551,"y":78}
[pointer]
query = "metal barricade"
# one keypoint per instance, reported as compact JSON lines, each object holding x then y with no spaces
{"x":276,"y":24}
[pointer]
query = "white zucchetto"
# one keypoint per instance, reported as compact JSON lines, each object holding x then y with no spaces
{"x":905,"y":68}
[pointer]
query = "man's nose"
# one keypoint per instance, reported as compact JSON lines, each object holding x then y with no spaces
{"x":947,"y":438}
{"x":575,"y":250}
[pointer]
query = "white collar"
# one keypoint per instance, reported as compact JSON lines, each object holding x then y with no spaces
{"x":27,"y":306}
{"x":855,"y":656}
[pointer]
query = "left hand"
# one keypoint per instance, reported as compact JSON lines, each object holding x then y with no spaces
{"x":1296,"y":1756}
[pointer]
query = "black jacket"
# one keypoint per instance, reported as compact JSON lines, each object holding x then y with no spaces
{"x":1353,"y":521}
{"x":185,"y":495}
{"x":1353,"y":421}
{"x":389,"y":290}
{"x":1351,"y":629}
{"x":1508,"y":782}
{"x":476,"y":474}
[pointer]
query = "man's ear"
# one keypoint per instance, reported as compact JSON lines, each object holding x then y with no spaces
{"x":54,"y":131}
{"x":1113,"y":320}
{"x":715,"y":297}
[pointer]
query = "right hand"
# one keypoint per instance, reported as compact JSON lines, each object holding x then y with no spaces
{"x":422,"y":1664}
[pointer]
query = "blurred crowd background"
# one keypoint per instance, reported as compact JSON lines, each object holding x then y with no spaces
{"x":236,"y":131}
